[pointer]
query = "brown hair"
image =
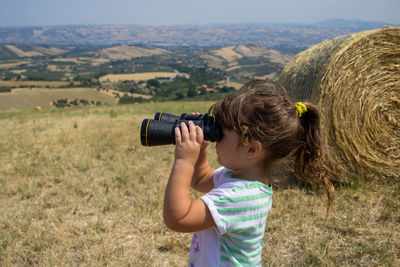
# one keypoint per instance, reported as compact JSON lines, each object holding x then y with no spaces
{"x":262,"y":111}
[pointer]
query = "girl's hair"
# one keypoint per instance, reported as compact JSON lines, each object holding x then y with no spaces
{"x":262,"y":111}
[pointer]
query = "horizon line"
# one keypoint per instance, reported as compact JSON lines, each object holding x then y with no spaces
{"x":338,"y":20}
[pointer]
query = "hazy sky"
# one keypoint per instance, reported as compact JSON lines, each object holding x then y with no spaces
{"x":173,"y":12}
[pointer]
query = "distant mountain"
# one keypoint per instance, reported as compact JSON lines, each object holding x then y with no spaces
{"x":271,"y":35}
{"x":351,"y":23}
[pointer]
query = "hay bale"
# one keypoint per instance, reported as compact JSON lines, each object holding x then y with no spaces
{"x":37,"y":108}
{"x":355,"y":81}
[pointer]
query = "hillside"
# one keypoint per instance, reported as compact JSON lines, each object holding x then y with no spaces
{"x":28,"y":51}
{"x":127,"y":52}
{"x":234,"y":53}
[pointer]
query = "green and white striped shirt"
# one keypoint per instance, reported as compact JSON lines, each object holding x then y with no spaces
{"x":240,"y":209}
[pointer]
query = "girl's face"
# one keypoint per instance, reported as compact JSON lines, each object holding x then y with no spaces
{"x":230,"y":151}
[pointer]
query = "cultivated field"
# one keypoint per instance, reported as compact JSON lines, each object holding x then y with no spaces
{"x":128,"y":52}
{"x":28,"y":98}
{"x":35,"y":51}
{"x":113,"y":93}
{"x":78,"y":189}
{"x":235,"y":85}
{"x":33,"y":84}
{"x":13,"y":64}
{"x":83,"y":60}
{"x":137,"y":76}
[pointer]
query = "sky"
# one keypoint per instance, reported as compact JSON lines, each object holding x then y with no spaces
{"x":190,"y":12}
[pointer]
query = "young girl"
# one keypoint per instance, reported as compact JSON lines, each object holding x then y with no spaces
{"x":260,"y":126}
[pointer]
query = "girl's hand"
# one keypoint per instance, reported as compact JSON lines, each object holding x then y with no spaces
{"x":189,"y":142}
{"x":204,"y":145}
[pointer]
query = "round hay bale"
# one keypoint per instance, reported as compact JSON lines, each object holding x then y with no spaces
{"x":37,"y":108}
{"x":355,"y":81}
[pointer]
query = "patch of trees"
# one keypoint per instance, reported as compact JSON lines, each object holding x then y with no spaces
{"x":207,"y":76}
{"x":61,"y":103}
{"x":5,"y":89}
{"x":84,"y":81}
{"x":127,"y":99}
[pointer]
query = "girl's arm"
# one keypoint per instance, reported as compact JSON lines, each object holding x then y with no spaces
{"x":180,"y":212}
{"x":202,"y":179}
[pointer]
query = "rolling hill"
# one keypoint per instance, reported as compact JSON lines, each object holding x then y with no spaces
{"x":233,"y":53}
{"x":127,"y":52}
{"x":28,"y":51}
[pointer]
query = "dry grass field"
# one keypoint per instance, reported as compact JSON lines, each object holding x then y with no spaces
{"x":78,"y":189}
{"x":36,"y":51}
{"x":233,"y":53}
{"x":14,"y":64}
{"x":33,"y":83}
{"x":22,"y":98}
{"x":112,"y":93}
{"x":128,"y":52}
{"x":136,"y":76}
{"x":228,"y":53}
{"x":22,"y":53}
{"x":83,"y":60}
{"x":235,"y":85}
{"x":18,"y":71}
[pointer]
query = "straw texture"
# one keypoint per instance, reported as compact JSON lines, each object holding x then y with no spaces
{"x":355,"y":81}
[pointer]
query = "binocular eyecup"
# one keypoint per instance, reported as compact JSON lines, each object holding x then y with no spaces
{"x":161,"y":129}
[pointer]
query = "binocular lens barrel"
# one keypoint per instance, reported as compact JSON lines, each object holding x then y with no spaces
{"x":162,"y":116}
{"x":157,"y":133}
{"x":161,"y":130}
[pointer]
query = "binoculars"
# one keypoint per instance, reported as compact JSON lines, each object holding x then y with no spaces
{"x":161,"y":130}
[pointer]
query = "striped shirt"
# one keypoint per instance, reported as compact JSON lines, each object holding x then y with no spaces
{"x":240,"y":209}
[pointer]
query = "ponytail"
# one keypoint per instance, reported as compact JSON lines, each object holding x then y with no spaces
{"x":309,"y":157}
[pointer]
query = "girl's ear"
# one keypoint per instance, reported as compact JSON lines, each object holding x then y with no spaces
{"x":254,"y":150}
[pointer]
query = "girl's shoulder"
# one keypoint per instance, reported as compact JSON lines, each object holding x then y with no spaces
{"x":224,"y":180}
{"x":221,"y":175}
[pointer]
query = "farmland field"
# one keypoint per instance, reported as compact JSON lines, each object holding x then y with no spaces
{"x":82,"y":60}
{"x":22,"y":53}
{"x":129,"y":52}
{"x":36,"y":51}
{"x":78,"y":189}
{"x":33,"y":83}
{"x":13,"y":64}
{"x":43,"y":97}
{"x":136,"y":76}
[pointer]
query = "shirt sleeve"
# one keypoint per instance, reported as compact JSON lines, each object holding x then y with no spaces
{"x":208,"y":200}
{"x":215,"y":192}
{"x":236,"y":206}
{"x":218,"y":176}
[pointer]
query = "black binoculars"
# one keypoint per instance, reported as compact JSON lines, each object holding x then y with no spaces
{"x":161,"y":130}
